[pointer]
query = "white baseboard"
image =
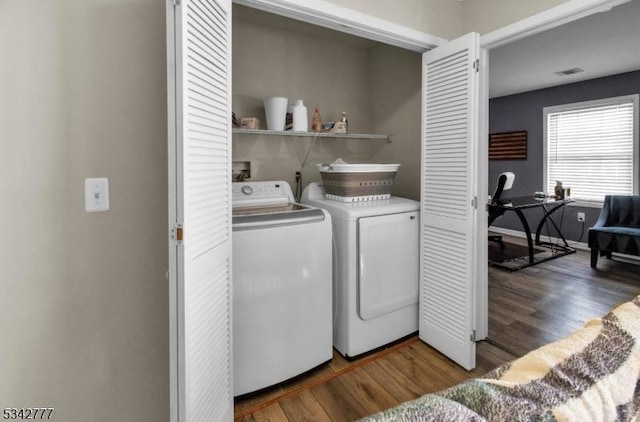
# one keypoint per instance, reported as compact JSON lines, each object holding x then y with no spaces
{"x":523,"y":235}
{"x":576,"y":245}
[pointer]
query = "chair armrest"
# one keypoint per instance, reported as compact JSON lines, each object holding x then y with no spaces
{"x":604,"y":213}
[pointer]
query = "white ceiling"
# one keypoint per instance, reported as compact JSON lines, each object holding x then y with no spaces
{"x":602,"y":44}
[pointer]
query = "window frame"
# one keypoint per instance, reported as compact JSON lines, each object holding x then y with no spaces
{"x":634,"y":98}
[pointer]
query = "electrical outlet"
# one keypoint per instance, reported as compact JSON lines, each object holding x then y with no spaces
{"x":581,"y":217}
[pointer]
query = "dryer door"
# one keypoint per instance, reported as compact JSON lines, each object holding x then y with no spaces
{"x":388,"y":271}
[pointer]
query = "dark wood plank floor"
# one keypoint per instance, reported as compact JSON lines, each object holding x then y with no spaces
{"x":527,"y":309}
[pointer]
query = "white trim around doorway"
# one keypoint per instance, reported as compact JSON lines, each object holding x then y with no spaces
{"x":330,"y":15}
{"x":556,"y":16}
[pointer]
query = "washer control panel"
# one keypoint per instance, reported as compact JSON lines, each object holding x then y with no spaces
{"x":260,"y":193}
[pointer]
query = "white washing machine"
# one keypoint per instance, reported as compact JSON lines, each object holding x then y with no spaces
{"x":376,"y":270}
{"x":281,"y":286}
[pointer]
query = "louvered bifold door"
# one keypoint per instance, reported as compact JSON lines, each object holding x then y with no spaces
{"x":448,"y":213}
{"x":200,"y":95}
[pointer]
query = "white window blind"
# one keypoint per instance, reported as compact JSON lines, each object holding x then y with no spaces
{"x":590,"y":147}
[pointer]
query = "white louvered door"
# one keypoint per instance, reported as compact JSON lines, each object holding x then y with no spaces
{"x":199,"y":82}
{"x":449,"y":240}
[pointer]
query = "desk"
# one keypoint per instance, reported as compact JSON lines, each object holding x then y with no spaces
{"x":548,"y":206}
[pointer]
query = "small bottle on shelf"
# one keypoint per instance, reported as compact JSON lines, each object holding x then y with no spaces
{"x":316,"y":123}
{"x":300,"y":122}
{"x":343,"y":119}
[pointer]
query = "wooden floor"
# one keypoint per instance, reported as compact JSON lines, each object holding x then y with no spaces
{"x":527,"y":309}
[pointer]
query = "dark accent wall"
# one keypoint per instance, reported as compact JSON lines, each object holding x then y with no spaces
{"x":524,"y":112}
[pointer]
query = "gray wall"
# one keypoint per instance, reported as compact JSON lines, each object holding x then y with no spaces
{"x":524,"y":112}
{"x":85,"y":306}
{"x":396,"y":101}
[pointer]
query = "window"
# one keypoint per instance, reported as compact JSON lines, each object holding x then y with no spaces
{"x":591,"y":147}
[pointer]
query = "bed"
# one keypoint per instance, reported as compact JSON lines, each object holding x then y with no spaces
{"x":590,"y":375}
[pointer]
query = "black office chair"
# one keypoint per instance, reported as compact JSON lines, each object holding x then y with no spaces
{"x":505,"y":182}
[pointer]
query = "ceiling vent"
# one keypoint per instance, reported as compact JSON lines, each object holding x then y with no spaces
{"x":568,"y":71}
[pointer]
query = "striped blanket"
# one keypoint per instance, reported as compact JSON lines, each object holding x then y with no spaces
{"x":590,"y":375}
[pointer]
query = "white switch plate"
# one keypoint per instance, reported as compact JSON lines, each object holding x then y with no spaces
{"x":96,"y":194}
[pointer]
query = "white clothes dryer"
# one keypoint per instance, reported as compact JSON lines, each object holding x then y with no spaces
{"x":375,"y":269}
{"x":281,"y":286}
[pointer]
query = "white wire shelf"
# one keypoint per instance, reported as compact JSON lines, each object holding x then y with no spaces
{"x":312,"y":134}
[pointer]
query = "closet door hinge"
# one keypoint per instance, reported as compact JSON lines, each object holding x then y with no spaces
{"x":176,"y":2}
{"x":177,"y":233}
{"x":476,"y":65}
{"x":474,"y":202}
{"x":473,"y":336}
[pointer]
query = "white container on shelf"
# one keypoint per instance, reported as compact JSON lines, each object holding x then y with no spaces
{"x":300,"y":118}
{"x":275,"y":109}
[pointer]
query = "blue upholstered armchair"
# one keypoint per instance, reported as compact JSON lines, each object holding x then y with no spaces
{"x":617,"y":228}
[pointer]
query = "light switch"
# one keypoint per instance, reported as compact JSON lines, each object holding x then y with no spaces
{"x":96,"y":194}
